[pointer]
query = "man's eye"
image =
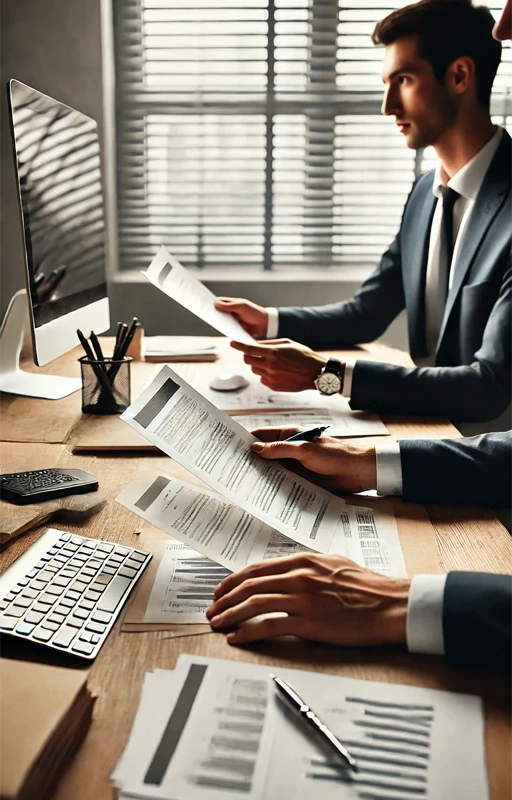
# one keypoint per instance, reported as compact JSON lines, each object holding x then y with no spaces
{"x":402,"y":79}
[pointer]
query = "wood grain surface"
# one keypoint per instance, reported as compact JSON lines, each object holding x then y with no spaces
{"x":454,"y":539}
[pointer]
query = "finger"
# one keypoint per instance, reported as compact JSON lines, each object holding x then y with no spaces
{"x":274,"y":434}
{"x":275,"y":566}
{"x":254,"y":361}
{"x":264,"y":629}
{"x":253,"y":607}
{"x":286,"y":584}
{"x":259,"y":350}
{"x":279,"y":341}
{"x":279,"y":450}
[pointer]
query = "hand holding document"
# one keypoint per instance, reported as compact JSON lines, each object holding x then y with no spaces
{"x":168,"y":275}
{"x":216,"y":449}
{"x":216,"y":729}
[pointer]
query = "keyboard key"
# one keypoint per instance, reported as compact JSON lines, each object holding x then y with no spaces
{"x":15,"y":590}
{"x":45,"y":576}
{"x":8,"y":623}
{"x":69,"y":573}
{"x":38,"y":586}
{"x":89,"y":572}
{"x":41,"y":608}
{"x":72,"y":595}
{"x":113,"y":594}
{"x":61,"y":610}
{"x":47,"y":599}
{"x":104,"y":547}
{"x":133,"y":564}
{"x":77,"y":540}
{"x":24,"y":628}
{"x":81,"y":613}
{"x":75,"y":563}
{"x":23,"y":602}
{"x":67,"y":602}
{"x":52,"y":626}
{"x":32,"y":573}
{"x":60,"y":581}
{"x":100,"y":555}
{"x":102,"y":578}
{"x":15,"y":612}
{"x":87,"y":637}
{"x":140,"y":557}
{"x":109,"y":570}
{"x":42,"y":634}
{"x":55,"y":590}
{"x":122,"y":551}
{"x":92,"y":596}
{"x":75,"y":622}
{"x":95,"y":627}
{"x":52,"y":569}
{"x":97,"y":587}
{"x":94,"y":564}
{"x":81,"y":558}
{"x":60,"y":559}
{"x":95,"y":638}
{"x":117,"y":559}
{"x":55,"y":618}
{"x":126,"y":572}
{"x":65,"y":636}
{"x":3,"y":605}
{"x":78,"y":586}
{"x":87,"y":604}
{"x":101,"y":616}
{"x":23,"y":582}
{"x":31,"y":594}
{"x":9,"y":597}
{"x":82,"y":647}
{"x":34,"y":617}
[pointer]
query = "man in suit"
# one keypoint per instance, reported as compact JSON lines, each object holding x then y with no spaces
{"x":467,"y":616}
{"x":450,"y":264}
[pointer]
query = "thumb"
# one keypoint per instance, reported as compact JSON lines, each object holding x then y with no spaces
{"x":277,"y":450}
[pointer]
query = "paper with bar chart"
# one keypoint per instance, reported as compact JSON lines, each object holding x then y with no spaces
{"x":216,"y":729}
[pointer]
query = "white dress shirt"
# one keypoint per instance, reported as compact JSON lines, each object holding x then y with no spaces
{"x":424,"y":627}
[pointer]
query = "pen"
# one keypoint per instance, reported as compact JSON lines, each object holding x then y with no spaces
{"x":123,"y":348}
{"x":307,"y":436}
{"x":306,"y":714}
{"x":122,"y":327}
{"x":100,"y":374}
{"x":96,"y":347}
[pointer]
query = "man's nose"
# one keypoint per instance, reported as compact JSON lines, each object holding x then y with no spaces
{"x":390,"y":103}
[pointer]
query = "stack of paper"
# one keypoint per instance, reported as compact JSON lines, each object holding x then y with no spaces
{"x":45,"y":713}
{"x":179,"y":348}
{"x":215,"y":729}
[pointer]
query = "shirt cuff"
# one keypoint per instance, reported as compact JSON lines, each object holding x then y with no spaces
{"x":347,"y":378}
{"x":389,"y":468}
{"x":272,"y":323}
{"x":425,"y":615}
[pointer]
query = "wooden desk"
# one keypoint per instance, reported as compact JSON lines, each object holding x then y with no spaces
{"x":464,"y":539}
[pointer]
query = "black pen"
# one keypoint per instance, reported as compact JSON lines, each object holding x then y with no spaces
{"x":122,"y":327}
{"x":308,"y":716}
{"x":125,"y":344}
{"x":100,"y":374}
{"x":97,"y":347}
{"x":307,"y":436}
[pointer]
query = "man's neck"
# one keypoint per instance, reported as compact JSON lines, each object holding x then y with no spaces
{"x":462,"y":142}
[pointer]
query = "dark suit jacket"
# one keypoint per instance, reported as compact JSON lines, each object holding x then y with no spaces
{"x":477,"y":620}
{"x":471,"y":379}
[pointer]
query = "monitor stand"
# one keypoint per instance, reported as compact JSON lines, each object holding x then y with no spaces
{"x":13,"y":379}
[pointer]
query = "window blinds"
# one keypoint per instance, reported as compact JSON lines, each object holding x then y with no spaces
{"x":249,"y":134}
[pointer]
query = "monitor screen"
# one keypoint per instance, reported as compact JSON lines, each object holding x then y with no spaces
{"x":58,"y":164}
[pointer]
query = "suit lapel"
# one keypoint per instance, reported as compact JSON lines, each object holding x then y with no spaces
{"x":488,"y":202}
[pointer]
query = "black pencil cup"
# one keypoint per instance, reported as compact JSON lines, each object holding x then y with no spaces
{"x":106,"y":385}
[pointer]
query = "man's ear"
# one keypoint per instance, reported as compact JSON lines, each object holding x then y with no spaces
{"x":461,"y":75}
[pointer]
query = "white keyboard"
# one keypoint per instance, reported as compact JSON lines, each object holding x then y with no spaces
{"x":66,"y":591}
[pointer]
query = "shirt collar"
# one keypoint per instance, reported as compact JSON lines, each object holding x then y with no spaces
{"x":468,"y":180}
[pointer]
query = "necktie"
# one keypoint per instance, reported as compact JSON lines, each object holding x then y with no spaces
{"x":450,"y":197}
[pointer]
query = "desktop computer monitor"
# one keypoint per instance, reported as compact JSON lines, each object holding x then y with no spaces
{"x":57,"y":162}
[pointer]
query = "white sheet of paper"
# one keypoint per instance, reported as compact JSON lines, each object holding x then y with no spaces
{"x":216,"y":449}
{"x":167,"y":274}
{"x":232,"y":736}
{"x":343,"y":422}
{"x":183,"y":587}
{"x":179,"y":345}
{"x":233,"y":538}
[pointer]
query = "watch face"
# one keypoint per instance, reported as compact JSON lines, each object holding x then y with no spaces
{"x":328,"y":383}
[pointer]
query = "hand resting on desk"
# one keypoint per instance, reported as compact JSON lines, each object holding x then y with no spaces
{"x":331,"y":463}
{"x":328,"y":598}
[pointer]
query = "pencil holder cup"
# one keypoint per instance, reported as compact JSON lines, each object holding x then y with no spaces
{"x":106,"y":385}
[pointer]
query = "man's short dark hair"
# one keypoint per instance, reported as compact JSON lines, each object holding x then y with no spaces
{"x":447,"y":30}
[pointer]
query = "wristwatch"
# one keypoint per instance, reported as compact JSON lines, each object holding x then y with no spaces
{"x":330,"y":379}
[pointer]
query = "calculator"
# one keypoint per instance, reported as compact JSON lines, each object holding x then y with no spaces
{"x":38,"y":485}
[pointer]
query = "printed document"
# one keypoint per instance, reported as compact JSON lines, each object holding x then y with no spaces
{"x":216,"y":449}
{"x":168,"y":275}
{"x":233,"y":538}
{"x":183,"y":587}
{"x":217,"y":729}
{"x":342,"y":422}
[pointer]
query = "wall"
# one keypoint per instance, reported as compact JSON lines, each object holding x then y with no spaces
{"x":55,"y":46}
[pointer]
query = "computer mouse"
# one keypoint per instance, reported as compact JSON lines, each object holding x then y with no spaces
{"x":228,"y":383}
